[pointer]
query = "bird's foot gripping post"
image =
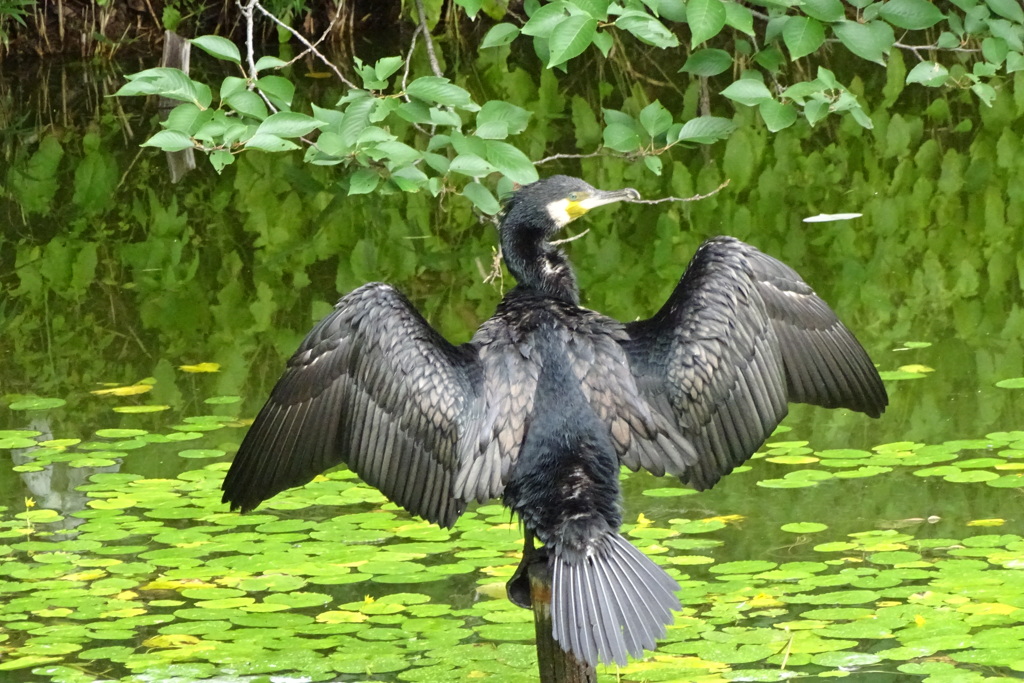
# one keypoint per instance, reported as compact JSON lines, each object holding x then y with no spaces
{"x":530,"y":588}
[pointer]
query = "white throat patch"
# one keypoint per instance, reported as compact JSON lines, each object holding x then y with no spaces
{"x":559,"y":212}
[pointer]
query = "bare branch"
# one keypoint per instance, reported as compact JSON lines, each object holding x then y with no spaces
{"x":246,"y":8}
{"x":495,"y":273}
{"x":434,"y":66}
{"x":421,"y":28}
{"x":327,"y":31}
{"x":298,"y":36}
{"x":570,"y":239}
{"x":553,"y":157}
{"x":680,"y":199}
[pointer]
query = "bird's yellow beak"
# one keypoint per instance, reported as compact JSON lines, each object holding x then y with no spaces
{"x":575,"y":209}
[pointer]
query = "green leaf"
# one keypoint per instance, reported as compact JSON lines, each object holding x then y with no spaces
{"x":219,"y":47}
{"x":739,"y":17}
{"x":598,"y":9}
{"x":824,"y":10}
{"x":445,"y":117}
{"x":231,"y":85}
{"x":440,"y":91}
{"x":1014,"y":62}
{"x":171,"y":83}
{"x":169,"y":141}
{"x":363,"y":181}
{"x":777,"y":115}
{"x":471,"y":165}
{"x":387,"y":66}
{"x":706,"y":130}
{"x":500,"y":34}
{"x":570,"y":38}
{"x":249,"y":104}
{"x":492,"y":130}
{"x":515,"y":165}
{"x":645,"y":28}
{"x":497,"y":120}
{"x":708,"y":62}
{"x":928,"y":73}
{"x":748,"y":91}
{"x":481,"y":198}
{"x":1013,"y":36}
{"x":267,"y":62}
{"x":802,"y":36}
{"x":1010,"y":9}
{"x":864,"y":40}
{"x":994,"y":50}
{"x":394,"y":153}
{"x":706,"y":19}
{"x":287,"y":124}
{"x":621,"y":137}
{"x":545,"y":19}
{"x":219,"y":158}
{"x":911,"y":14}
{"x":653,"y":164}
{"x":270,"y":143}
{"x":985,"y":92}
{"x":278,"y":88}
{"x":655,"y":119}
{"x":470,"y":6}
{"x":186,"y":118}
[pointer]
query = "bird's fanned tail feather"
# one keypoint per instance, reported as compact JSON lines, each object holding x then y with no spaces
{"x":610,"y":601}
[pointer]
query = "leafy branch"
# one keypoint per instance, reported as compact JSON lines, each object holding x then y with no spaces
{"x":395,"y":131}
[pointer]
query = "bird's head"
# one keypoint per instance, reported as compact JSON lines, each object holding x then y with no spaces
{"x":552,"y":203}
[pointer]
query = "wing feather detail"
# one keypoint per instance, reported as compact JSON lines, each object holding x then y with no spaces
{"x":372,"y":385}
{"x":741,"y":337}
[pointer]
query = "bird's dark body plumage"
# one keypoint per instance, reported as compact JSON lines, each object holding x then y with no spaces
{"x":548,"y":398}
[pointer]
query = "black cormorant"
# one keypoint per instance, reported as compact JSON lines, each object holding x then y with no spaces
{"x":548,"y":399}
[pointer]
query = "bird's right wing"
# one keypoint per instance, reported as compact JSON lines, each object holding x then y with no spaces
{"x":741,"y":336}
{"x":372,"y":385}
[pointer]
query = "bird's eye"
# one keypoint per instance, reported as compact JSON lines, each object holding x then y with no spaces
{"x":574,"y":196}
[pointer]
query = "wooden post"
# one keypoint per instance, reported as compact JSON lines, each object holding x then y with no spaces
{"x":177,"y":54}
{"x":556,"y":665}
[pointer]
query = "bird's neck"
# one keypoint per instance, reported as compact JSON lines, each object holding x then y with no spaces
{"x":540,"y":267}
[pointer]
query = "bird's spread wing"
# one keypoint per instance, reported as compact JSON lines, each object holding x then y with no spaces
{"x":740,"y":337}
{"x":372,"y":385}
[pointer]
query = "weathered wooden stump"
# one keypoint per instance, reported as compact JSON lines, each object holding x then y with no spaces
{"x":556,"y":665}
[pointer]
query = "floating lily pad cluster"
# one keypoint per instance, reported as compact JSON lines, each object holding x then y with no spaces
{"x":996,"y":460}
{"x":133,"y":577}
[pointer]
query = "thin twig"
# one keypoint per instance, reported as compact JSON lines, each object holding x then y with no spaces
{"x":408,"y":60}
{"x":553,"y":157}
{"x":420,"y":28}
{"x":681,"y":199}
{"x":495,"y":274}
{"x":250,"y":57}
{"x":935,"y":47}
{"x":246,"y":9}
{"x":434,"y":66}
{"x":570,"y":239}
{"x":330,"y":27}
{"x":302,"y":39}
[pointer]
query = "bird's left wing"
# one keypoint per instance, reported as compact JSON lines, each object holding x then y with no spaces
{"x":372,"y":385}
{"x":741,"y":336}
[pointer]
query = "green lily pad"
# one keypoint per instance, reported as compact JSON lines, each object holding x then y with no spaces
{"x":37,"y":403}
{"x":803,"y":527}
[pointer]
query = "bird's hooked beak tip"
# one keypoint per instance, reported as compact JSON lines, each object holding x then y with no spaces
{"x":602,"y":197}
